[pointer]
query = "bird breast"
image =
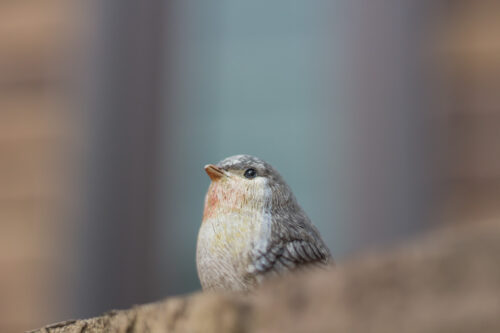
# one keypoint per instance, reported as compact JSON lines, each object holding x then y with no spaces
{"x":236,"y":221}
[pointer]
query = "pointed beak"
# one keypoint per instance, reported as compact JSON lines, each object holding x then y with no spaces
{"x":214,"y":172}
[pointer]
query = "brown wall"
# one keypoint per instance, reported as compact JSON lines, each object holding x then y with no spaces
{"x":32,"y":132}
{"x":469,"y":47}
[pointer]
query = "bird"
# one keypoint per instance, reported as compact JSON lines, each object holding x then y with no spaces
{"x":253,"y":228}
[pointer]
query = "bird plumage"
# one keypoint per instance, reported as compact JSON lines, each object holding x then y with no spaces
{"x":253,"y":228}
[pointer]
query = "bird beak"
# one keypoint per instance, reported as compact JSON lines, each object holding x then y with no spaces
{"x":214,"y":172}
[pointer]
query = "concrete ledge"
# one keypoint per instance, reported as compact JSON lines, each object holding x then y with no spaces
{"x":447,"y":281}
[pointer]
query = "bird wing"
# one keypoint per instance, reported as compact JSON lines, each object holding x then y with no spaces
{"x":291,"y":254}
{"x":294,"y":242}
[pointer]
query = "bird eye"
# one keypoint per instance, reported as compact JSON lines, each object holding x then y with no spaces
{"x":250,"y":173}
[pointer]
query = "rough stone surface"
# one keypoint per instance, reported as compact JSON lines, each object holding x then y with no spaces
{"x":448,"y":281}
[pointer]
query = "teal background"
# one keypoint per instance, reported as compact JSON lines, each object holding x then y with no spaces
{"x":251,"y":79}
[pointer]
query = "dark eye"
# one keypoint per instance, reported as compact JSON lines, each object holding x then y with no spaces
{"x":250,"y":173}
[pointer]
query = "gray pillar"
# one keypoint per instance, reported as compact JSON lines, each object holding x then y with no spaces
{"x":120,"y":93}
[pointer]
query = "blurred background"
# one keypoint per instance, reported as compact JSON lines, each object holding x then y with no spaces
{"x":383,"y":116}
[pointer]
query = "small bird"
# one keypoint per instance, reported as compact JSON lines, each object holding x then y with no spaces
{"x":252,"y":227}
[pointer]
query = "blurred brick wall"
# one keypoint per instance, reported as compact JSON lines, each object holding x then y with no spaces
{"x":470,"y":57}
{"x":33,"y":35}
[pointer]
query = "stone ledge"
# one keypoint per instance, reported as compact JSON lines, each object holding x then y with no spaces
{"x":448,"y":281}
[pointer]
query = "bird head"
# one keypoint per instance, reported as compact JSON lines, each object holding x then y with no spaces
{"x":244,"y":184}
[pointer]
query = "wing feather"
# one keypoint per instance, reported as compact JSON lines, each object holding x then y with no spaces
{"x":286,"y":256}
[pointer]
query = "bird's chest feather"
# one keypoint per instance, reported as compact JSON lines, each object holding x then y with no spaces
{"x":234,"y":222}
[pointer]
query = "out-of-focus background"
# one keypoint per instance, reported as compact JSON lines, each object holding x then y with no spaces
{"x":383,"y":116}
